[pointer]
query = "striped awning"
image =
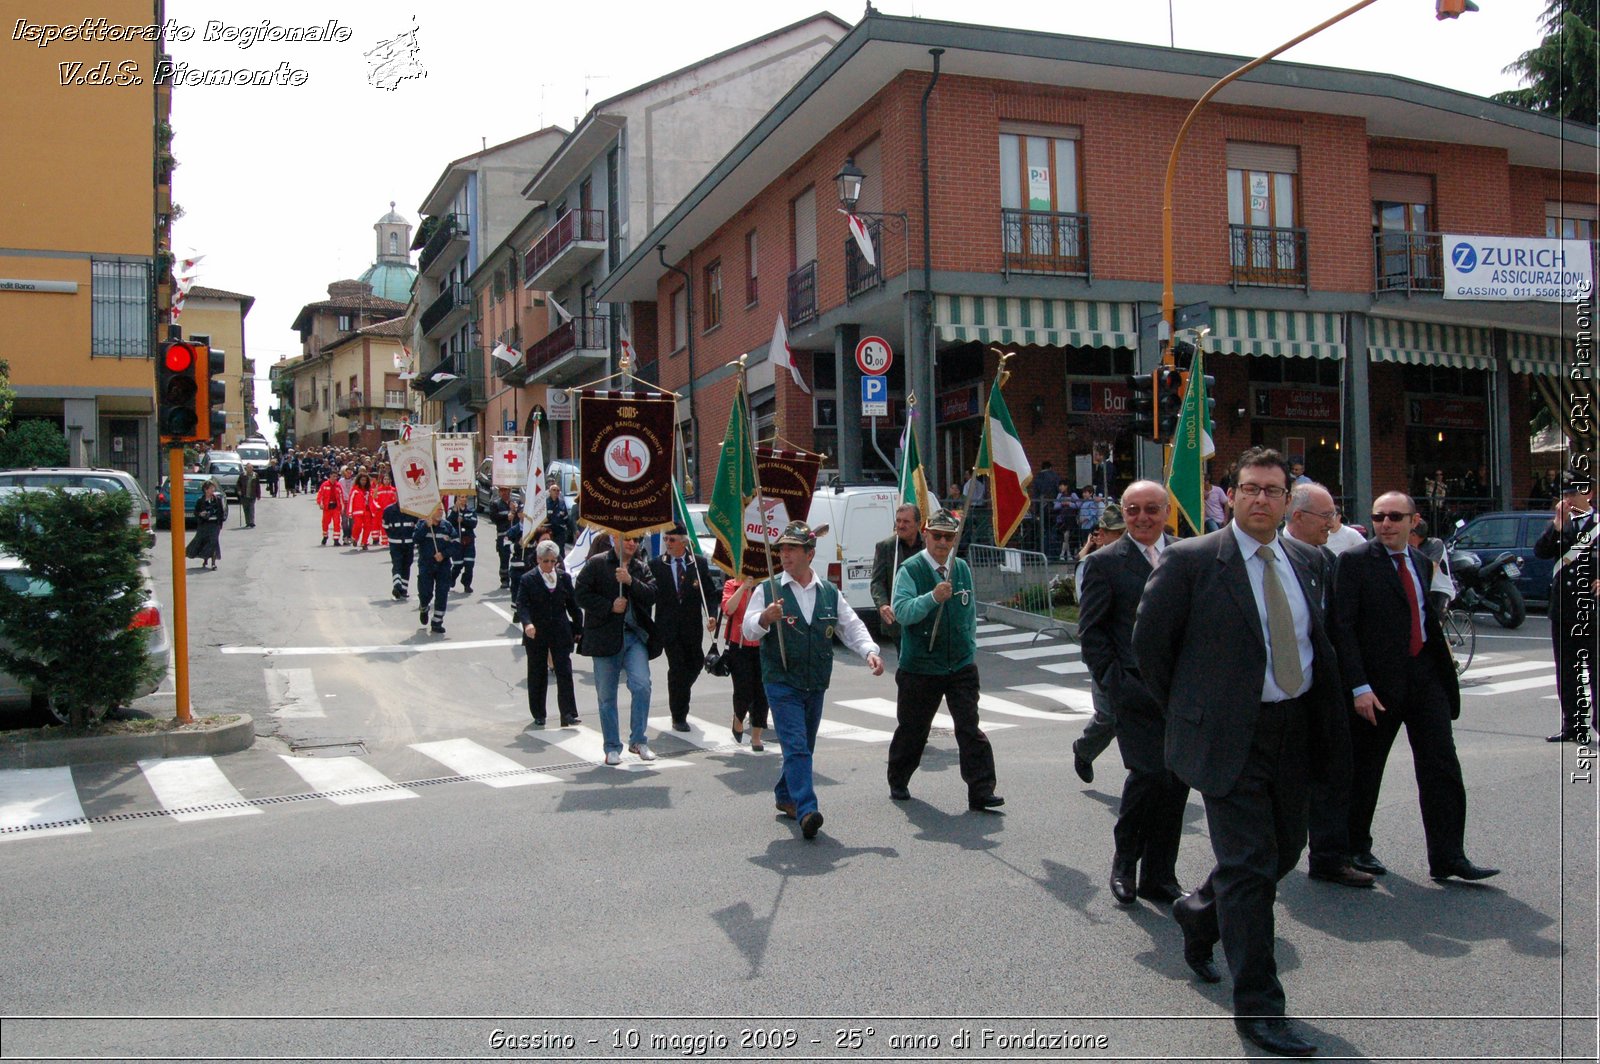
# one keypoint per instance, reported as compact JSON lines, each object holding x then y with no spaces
{"x":1283,"y":333}
{"x":1546,"y":355}
{"x":1424,"y":343}
{"x":1042,"y":322}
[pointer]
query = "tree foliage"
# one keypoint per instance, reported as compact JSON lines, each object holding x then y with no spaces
{"x":8,"y":396}
{"x":33,"y":443}
{"x":1561,"y":73}
{"x":66,"y":631}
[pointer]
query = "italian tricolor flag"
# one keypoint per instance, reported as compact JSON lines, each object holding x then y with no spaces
{"x":1000,"y":455}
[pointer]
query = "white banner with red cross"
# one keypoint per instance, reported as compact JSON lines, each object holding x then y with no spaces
{"x":510,"y":453}
{"x":455,"y":460}
{"x":416,"y":487}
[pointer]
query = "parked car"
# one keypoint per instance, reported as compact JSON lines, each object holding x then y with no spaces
{"x":193,"y":488}
{"x":158,"y":648}
{"x":106,"y":480}
{"x":224,"y":467}
{"x":565,"y":473}
{"x":1510,"y":532}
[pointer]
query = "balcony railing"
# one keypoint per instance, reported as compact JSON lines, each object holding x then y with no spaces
{"x":454,"y":296}
{"x":1264,"y":257}
{"x":858,"y":276}
{"x":349,"y":402}
{"x":1407,"y":262}
{"x":579,"y":334}
{"x":803,"y":294}
{"x":580,"y":226}
{"x":450,"y":227}
{"x":1050,"y":242}
{"x":475,"y":394}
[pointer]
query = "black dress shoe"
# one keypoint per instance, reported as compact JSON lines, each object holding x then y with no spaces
{"x":568,"y":722}
{"x":1365,"y":862}
{"x":1562,"y":737}
{"x":538,"y":722}
{"x":1082,"y":765}
{"x":1161,"y":893}
{"x":1275,"y":1036}
{"x":1345,"y":875}
{"x":900,"y":794}
{"x":1124,"y":875}
{"x":680,"y":725}
{"x":1196,"y":950}
{"x":1461,"y":868}
{"x":986,"y":804}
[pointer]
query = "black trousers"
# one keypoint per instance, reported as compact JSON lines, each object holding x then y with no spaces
{"x":1101,"y":729}
{"x":1150,"y":819}
{"x":1257,"y":832}
{"x":463,"y":569}
{"x":919,"y":701}
{"x":540,"y":658}
{"x":503,"y":549}
{"x":433,"y":584}
{"x":1330,"y":802}
{"x":400,"y":564}
{"x":749,"y":693}
{"x":1576,"y":666}
{"x":1440,"y":790}
{"x":685,"y":661}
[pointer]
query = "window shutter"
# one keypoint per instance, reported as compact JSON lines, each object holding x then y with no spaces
{"x":1389,"y":187}
{"x":1271,"y":158}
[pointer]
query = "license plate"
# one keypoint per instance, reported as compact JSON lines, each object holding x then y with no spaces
{"x":861,"y":572}
{"x":1513,"y":570}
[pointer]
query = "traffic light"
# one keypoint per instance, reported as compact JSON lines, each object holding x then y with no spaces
{"x":1143,"y":404}
{"x":1443,"y":9}
{"x":1169,"y":401}
{"x":215,"y":394}
{"x":177,"y":389}
{"x":1211,"y":404}
{"x":1182,"y":354}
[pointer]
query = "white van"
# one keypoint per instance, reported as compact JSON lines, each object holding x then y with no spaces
{"x":857,"y":518}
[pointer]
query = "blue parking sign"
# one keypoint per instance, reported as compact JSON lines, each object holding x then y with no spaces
{"x":874,"y":396}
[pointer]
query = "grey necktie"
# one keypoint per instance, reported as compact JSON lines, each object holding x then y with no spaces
{"x":941,"y":574}
{"x":1280,"y":627}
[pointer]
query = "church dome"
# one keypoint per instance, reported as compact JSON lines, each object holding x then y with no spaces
{"x":390,"y":281}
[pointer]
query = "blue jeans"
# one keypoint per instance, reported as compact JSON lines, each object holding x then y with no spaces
{"x":634,"y":658}
{"x":796,"y":715}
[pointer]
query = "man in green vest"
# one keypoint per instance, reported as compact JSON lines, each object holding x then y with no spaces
{"x":807,"y":610}
{"x":938,"y":614}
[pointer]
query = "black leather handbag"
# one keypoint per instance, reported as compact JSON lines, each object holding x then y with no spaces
{"x":717,"y":663}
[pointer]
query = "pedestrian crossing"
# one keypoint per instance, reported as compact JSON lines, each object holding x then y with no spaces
{"x":36,"y":803}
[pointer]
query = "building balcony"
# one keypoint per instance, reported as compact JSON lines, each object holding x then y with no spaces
{"x":803,"y":294}
{"x":475,"y":386}
{"x":446,"y":312}
{"x":859,"y":277}
{"x":1264,"y":257}
{"x":438,"y":389}
{"x":1046,"y":242}
{"x":515,"y":373}
{"x":579,"y":347}
{"x":349,"y":403}
{"x":450,"y":232}
{"x":575,"y":241}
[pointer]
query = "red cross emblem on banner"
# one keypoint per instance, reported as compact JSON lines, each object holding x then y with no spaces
{"x":455,"y":465}
{"x":416,"y":473}
{"x":510,"y":456}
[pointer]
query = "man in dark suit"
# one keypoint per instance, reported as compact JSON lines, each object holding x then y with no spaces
{"x":687,"y":599}
{"x":887,"y":558}
{"x":616,"y":593}
{"x":1571,"y":539}
{"x":1395,"y":663}
{"x":1150,"y":820}
{"x":1232,"y":642}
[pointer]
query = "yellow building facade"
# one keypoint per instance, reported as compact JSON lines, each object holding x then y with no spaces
{"x":219,"y":315}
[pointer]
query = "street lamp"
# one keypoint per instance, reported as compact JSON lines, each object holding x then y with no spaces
{"x":849,"y":178}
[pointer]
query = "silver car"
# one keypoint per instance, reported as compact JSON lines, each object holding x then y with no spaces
{"x":107,"y":480}
{"x":224,"y":467}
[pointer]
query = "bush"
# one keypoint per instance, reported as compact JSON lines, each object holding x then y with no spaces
{"x":68,"y":637}
{"x":33,"y":443}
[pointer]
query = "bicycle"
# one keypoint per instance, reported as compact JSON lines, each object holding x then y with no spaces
{"x":1461,"y":636}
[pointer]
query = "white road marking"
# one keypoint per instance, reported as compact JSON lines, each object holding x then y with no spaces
{"x":587,"y":744}
{"x":39,"y":796}
{"x":468,"y":758}
{"x":835,"y":729}
{"x":330,"y":774}
{"x":994,"y":704}
{"x":1513,"y":666}
{"x":1015,"y":637}
{"x":1065,"y":668}
{"x":701,"y":733}
{"x":1054,"y":650}
{"x":884,"y":707}
{"x":991,"y":629}
{"x":1510,"y":686}
{"x":375,"y":648}
{"x":1078,"y":700}
{"x":181,"y":783}
{"x":501,"y":610}
{"x":293,"y":693}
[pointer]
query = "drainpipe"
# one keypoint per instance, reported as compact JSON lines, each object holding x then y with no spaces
{"x":925,"y":381}
{"x":688,"y":392}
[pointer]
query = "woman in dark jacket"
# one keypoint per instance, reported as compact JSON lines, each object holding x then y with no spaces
{"x":209,"y":514}
{"x":548,"y":613}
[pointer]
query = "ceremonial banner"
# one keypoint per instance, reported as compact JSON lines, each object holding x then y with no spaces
{"x":1000,"y":455}
{"x":510,"y":468}
{"x":731,"y":491}
{"x":416,"y":488}
{"x":913,"y":484}
{"x":1191,"y":446}
{"x":625,"y":461}
{"x":535,"y":503}
{"x":788,"y":479}
{"x":454,"y":460}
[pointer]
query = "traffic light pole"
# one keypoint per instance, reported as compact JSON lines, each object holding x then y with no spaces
{"x":180,"y":589}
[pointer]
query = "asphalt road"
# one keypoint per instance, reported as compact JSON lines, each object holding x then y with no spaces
{"x":402,"y":867}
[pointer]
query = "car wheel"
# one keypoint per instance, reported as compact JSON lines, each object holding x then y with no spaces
{"x":62,"y":713}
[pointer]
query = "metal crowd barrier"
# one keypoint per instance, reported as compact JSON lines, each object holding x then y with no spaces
{"x":1013,"y":585}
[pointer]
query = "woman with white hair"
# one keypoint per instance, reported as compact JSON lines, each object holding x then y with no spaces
{"x":547,"y":611}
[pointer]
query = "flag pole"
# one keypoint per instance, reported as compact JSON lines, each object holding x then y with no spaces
{"x":766,"y":542}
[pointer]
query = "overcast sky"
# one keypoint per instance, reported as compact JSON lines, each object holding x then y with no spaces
{"x":281,"y":185}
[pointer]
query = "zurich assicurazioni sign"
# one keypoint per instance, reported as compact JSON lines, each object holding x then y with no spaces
{"x":1517,"y":268}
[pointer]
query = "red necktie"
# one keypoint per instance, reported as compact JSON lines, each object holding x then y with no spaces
{"x":1411,"y":601}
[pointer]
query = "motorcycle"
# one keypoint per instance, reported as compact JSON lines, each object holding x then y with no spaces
{"x":1491,"y":588}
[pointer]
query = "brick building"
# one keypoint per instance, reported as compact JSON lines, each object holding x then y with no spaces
{"x":1309,"y":207}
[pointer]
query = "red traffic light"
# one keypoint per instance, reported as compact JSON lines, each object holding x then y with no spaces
{"x":178,"y":357}
{"x":1443,"y":9}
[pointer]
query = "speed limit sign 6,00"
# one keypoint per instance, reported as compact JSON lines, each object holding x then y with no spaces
{"x":874,"y":355}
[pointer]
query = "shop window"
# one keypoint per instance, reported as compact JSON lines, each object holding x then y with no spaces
{"x":1266,"y":370}
{"x":822,"y":372}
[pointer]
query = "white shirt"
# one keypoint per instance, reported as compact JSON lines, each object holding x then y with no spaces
{"x":852,"y":632}
{"x":1256,"y":567}
{"x":1345,"y":538}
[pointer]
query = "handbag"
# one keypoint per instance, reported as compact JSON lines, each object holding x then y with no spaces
{"x":717,"y":663}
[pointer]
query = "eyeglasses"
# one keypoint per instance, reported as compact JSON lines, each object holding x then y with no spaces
{"x":1135,"y":511}
{"x":1326,"y":515}
{"x":1251,"y":491}
{"x":941,"y":535}
{"x":1395,"y":516}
